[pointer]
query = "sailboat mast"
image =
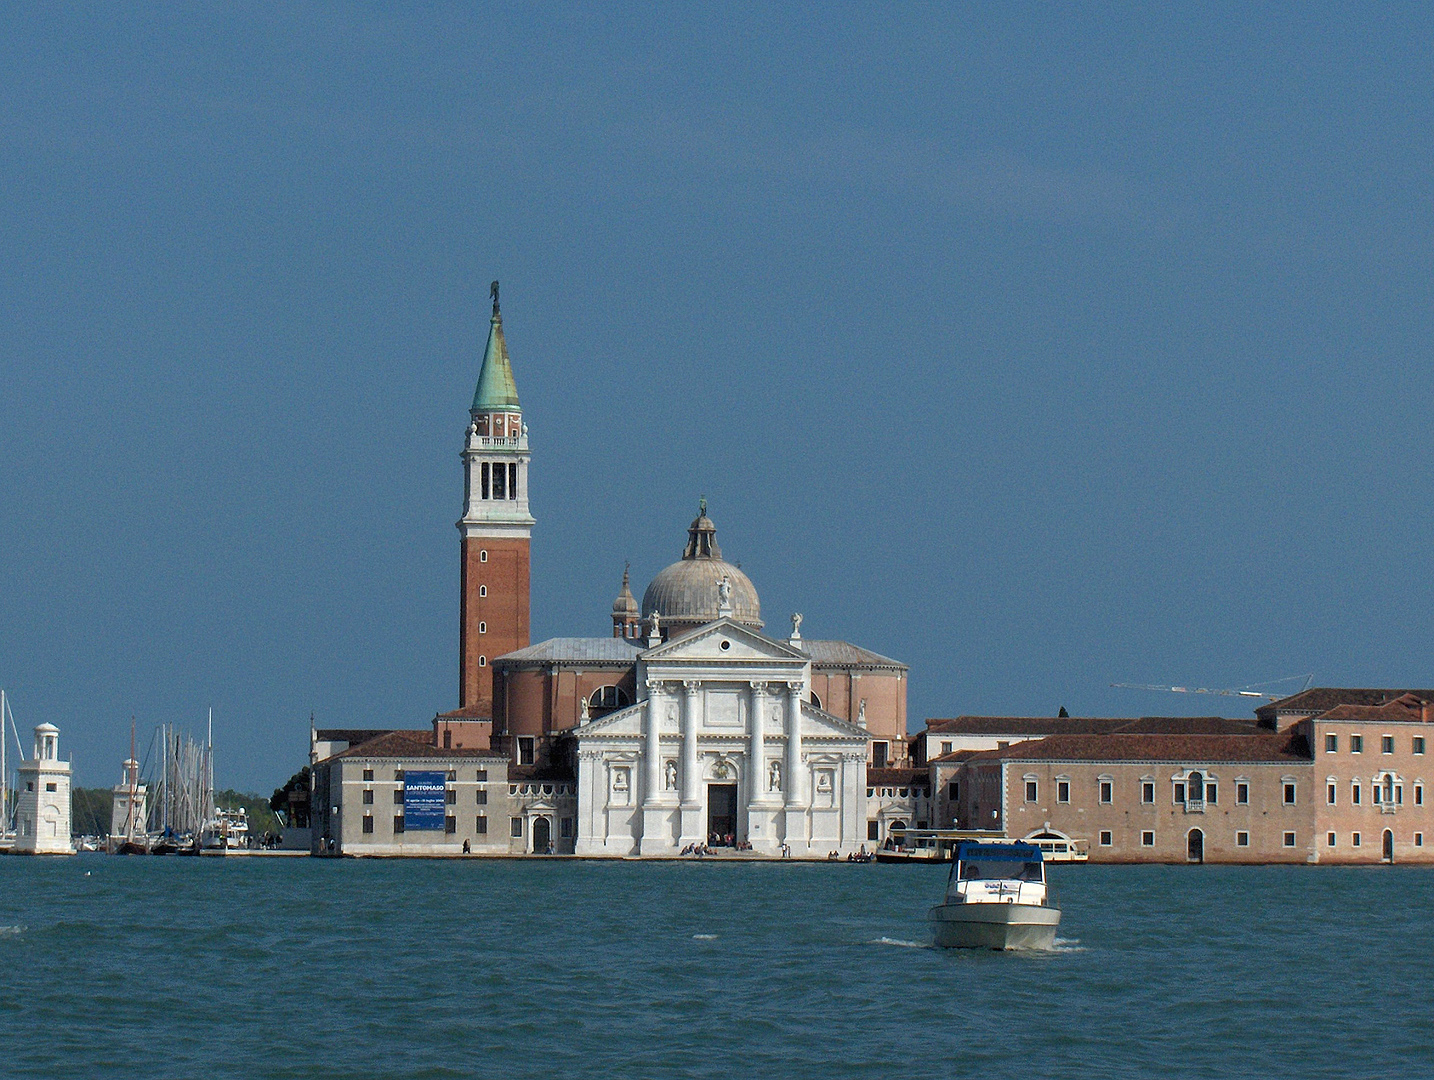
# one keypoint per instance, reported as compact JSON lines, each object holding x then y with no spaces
{"x":4,"y":772}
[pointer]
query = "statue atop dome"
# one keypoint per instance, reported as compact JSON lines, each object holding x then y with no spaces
{"x":701,"y":587}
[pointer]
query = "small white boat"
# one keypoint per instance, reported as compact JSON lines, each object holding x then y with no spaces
{"x":996,"y":898}
{"x":1056,"y":846}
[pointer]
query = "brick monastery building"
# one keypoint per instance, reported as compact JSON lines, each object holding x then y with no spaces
{"x":690,"y":725}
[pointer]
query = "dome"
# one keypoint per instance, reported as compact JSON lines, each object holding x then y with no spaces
{"x":687,"y":593}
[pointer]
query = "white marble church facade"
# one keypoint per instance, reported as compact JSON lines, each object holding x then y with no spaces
{"x":723,"y":740}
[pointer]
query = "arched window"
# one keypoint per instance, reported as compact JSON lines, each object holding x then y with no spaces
{"x":1195,"y":790}
{"x":816,"y":700}
{"x":607,"y":698}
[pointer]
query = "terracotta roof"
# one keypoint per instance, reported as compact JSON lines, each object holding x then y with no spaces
{"x":408,"y":744}
{"x":1189,"y":725}
{"x":468,"y":712}
{"x":954,"y":756}
{"x":1023,"y":725}
{"x":349,"y":735}
{"x":1320,"y":699}
{"x":1405,"y":708}
{"x":898,"y":777}
{"x":1267,"y":746}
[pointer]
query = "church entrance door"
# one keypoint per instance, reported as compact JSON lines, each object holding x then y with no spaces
{"x":542,"y":835}
{"x":721,"y":813}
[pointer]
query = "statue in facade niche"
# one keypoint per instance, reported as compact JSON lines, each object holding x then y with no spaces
{"x":774,"y":776}
{"x":671,"y":775}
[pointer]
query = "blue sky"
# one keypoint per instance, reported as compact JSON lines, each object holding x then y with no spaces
{"x":1041,"y":348}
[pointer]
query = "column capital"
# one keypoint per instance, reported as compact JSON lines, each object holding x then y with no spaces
{"x":758,"y":688}
{"x":691,"y":686}
{"x":795,"y":687}
{"x":655,"y":686}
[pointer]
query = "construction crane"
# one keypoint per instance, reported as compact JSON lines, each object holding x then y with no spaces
{"x":1239,"y":691}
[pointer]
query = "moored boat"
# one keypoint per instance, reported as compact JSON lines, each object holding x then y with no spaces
{"x":996,"y":898}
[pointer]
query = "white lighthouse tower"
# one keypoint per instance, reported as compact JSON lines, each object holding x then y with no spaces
{"x":43,"y":808}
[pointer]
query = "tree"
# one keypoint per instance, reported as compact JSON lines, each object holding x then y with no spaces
{"x":291,"y":802}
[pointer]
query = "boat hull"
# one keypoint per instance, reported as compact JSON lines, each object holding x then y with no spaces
{"x":994,"y":926}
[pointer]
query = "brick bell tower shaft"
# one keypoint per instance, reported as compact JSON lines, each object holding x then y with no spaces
{"x":496,"y":526}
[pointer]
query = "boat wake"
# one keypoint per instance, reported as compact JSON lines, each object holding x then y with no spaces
{"x":9,"y":931}
{"x":704,"y":937}
{"x":900,"y":944}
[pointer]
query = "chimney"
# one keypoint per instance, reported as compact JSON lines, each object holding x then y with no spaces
{"x":1426,"y":711}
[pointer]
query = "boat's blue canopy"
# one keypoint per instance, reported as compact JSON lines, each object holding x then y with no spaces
{"x":972,"y":849}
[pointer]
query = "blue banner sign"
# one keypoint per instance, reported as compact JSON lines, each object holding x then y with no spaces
{"x":423,"y":800}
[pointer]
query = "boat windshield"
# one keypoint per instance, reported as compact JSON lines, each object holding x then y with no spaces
{"x":1000,"y":870}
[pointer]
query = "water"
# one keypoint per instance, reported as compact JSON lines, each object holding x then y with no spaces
{"x":298,"y":968}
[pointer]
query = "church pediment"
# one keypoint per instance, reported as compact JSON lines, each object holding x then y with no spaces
{"x":818,"y":722}
{"x":626,"y":721}
{"x":723,"y":640}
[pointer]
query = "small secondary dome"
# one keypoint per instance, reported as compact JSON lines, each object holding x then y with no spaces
{"x":688,"y":593}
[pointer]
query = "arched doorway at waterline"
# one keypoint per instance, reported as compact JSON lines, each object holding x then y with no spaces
{"x":1195,"y":846}
{"x":1388,"y":854}
{"x":542,"y":835}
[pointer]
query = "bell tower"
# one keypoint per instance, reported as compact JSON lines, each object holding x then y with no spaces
{"x":496,"y":526}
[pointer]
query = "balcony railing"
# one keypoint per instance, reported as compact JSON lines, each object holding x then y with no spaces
{"x":1194,"y":806}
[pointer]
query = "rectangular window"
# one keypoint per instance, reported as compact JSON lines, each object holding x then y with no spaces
{"x":1147,"y":839}
{"x":1419,"y":839}
{"x":368,"y":774}
{"x":1180,"y":793}
{"x":481,"y":826}
{"x":368,"y":823}
{"x":398,"y":796}
{"x":1147,"y":792}
{"x":1242,"y":839}
{"x":1329,"y":840}
{"x":1419,"y":744}
{"x":946,"y":748}
{"x":1375,"y":792}
{"x":452,"y":774}
{"x":397,"y":823}
{"x":1329,"y":795}
{"x":484,"y":473}
{"x":368,"y":797}
{"x":500,"y":481}
{"x":953,"y":791}
{"x":1354,"y":794}
{"x":1289,"y":794}
{"x":1107,"y":791}
{"x":1063,"y":791}
{"x":1418,"y":794}
{"x":451,"y":796}
{"x":450,"y":824}
{"x":879,"y":753}
{"x":1210,"y":793}
{"x":1386,"y":744}
{"x":398,"y":775}
{"x":1331,"y":744}
{"x":873,"y":830}
{"x":1105,"y":838}
{"x":51,"y":786}
{"x":482,"y":796}
{"x":1399,"y":795}
{"x":525,"y":751}
{"x":482,"y":775}
{"x":1356,"y":744}
{"x":1354,"y":839}
{"x":515,"y":827}
{"x":1030,"y":791}
{"x":512,"y":480}
{"x":1242,"y":793}
{"x":567,"y":828}
{"x":1289,"y":839}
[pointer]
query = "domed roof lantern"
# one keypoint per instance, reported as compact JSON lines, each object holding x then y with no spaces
{"x":702,"y":536}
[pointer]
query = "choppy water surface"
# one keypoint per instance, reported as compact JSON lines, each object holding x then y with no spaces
{"x":298,"y":968}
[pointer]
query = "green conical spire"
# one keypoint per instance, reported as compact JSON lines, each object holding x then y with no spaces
{"x":496,"y":390}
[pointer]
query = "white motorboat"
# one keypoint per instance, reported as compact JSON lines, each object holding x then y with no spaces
{"x":1056,"y":846}
{"x":996,"y":898}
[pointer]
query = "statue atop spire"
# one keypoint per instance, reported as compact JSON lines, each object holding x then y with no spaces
{"x":496,"y":391}
{"x":493,"y":292}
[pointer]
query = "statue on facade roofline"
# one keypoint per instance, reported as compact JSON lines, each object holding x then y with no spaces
{"x":796,"y":624}
{"x":583,"y":711}
{"x":656,"y":619}
{"x":861,"y":713}
{"x":724,"y":591}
